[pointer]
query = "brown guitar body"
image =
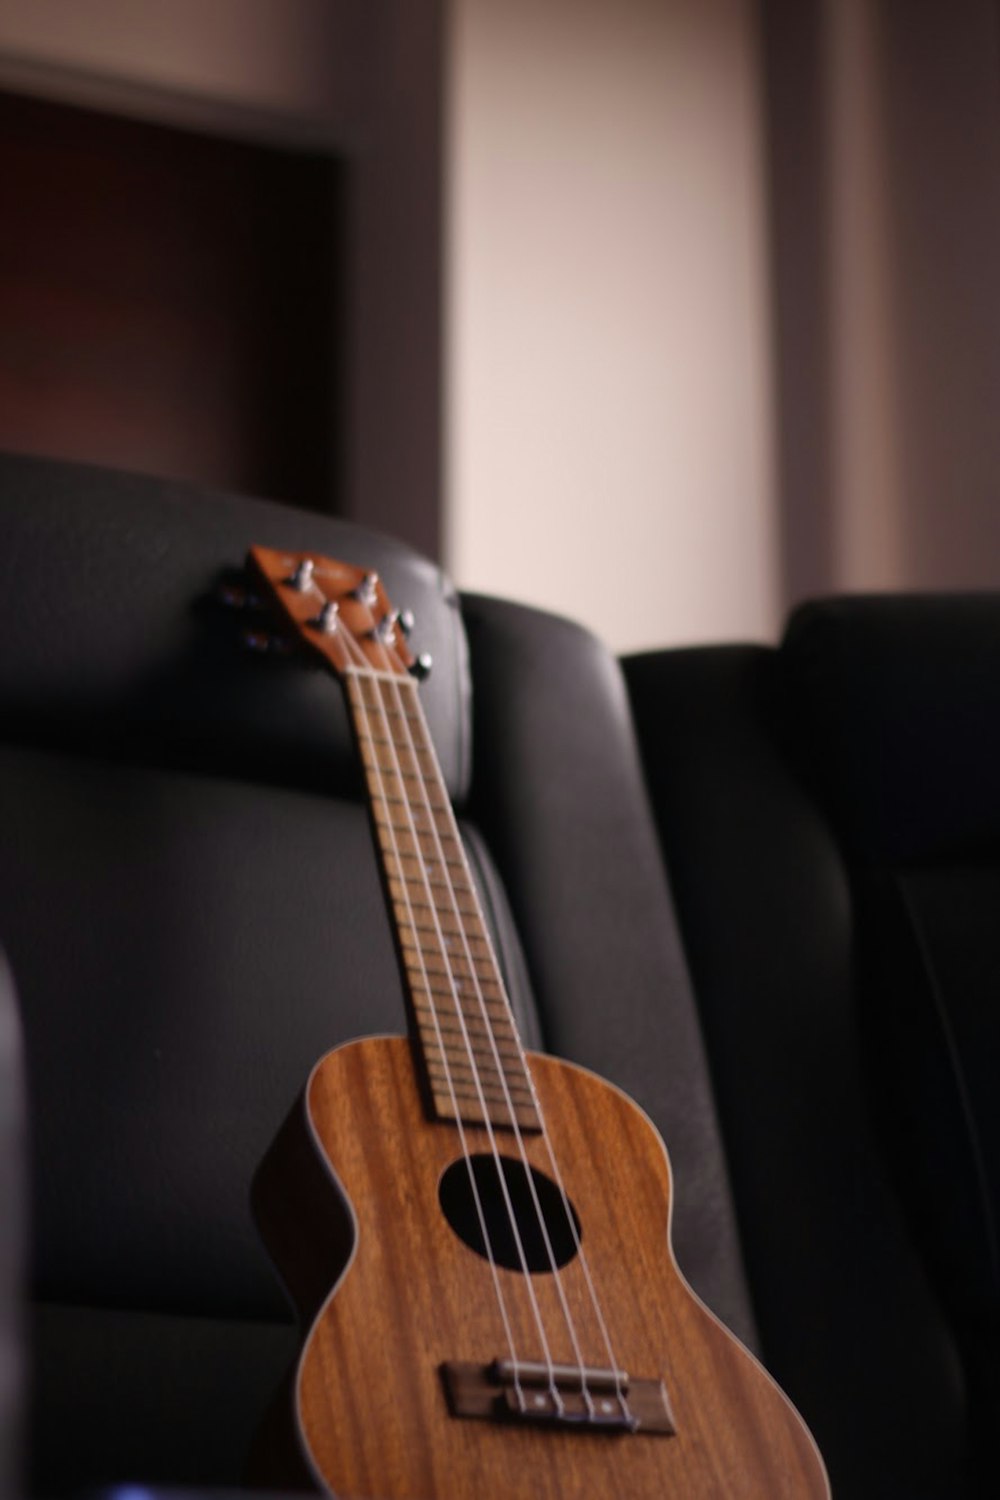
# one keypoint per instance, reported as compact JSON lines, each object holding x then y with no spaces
{"x":369,"y":1408}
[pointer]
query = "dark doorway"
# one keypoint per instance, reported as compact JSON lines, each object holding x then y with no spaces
{"x":170,"y":302}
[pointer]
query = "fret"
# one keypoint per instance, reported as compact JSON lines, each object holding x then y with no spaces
{"x":448,"y":922}
{"x":458,"y":947}
{"x":400,"y":812}
{"x":431,"y":861}
{"x":485,"y":1000}
{"x":464,"y":1026}
{"x":381,"y":735}
{"x":491,"y":1096}
{"x":385,"y":762}
{"x":417,"y":891}
{"x":479,"y":996}
{"x":471,"y":987}
{"x":489,"y":993}
{"x":369,"y":737}
{"x":476,"y":1030}
{"x":463,"y":948}
{"x":408,"y":900}
{"x":390,"y":714}
{"x":435,"y":795}
{"x":474,"y":1033}
{"x":525,"y":1117}
{"x":478,"y":1021}
{"x":467,"y":1062}
{"x":418,"y":844}
{"x":492,"y":1090}
{"x":471,"y":1087}
{"x":421,"y":807}
{"x":426,"y":823}
{"x":426,"y":872}
{"x":460,"y":972}
{"x":431,"y":884}
{"x":460,"y":1051}
{"x":476,"y":1024}
{"x":454,"y":1042}
{"x":489,"y":1076}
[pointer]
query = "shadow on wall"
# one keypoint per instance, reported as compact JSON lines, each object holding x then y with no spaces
{"x":884,"y":149}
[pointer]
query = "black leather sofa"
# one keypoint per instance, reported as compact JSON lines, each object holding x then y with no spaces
{"x":830,"y":812}
{"x":190,"y":905}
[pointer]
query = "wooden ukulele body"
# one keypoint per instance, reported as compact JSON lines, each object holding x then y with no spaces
{"x":349,"y":1204}
{"x":431,"y":1372}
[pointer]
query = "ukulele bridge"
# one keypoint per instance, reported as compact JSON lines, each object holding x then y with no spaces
{"x":586,"y":1399}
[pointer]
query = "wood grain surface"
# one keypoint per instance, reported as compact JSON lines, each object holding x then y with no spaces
{"x":369,"y":1403}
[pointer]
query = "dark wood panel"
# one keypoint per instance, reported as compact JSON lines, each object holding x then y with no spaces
{"x":170,"y":301}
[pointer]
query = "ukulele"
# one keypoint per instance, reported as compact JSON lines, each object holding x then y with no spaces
{"x":477,"y":1238}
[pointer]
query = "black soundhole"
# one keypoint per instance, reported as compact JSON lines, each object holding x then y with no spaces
{"x":523,"y":1215}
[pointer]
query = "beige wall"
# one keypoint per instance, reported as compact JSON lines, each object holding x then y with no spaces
{"x":724,"y":305}
{"x":721,"y":299}
{"x":609,"y":414}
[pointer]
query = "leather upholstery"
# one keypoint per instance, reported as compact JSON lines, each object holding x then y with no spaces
{"x":807,"y":839}
{"x":12,"y":1234}
{"x":114,"y":645}
{"x":189,"y":898}
{"x":558,"y":793}
{"x":828,"y":815}
{"x":912,"y":785}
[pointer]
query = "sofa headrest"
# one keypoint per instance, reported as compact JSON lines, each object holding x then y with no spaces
{"x":114,"y":643}
{"x":899,"y":698}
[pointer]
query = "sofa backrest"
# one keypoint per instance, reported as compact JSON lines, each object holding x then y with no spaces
{"x":899,"y":718}
{"x":190,"y":902}
{"x":829,"y":816}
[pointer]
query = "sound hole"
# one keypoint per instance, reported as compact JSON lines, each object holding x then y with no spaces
{"x":458,"y":1202}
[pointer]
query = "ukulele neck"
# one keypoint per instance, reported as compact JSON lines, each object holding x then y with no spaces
{"x":464,"y":1028}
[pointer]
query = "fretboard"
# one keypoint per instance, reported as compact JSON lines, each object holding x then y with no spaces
{"x":474,"y":1065}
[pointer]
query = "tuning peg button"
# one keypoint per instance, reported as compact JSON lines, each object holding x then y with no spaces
{"x":367,"y":590}
{"x":302,"y":578}
{"x":406,"y":620}
{"x":421,"y":668}
{"x":328,"y":618}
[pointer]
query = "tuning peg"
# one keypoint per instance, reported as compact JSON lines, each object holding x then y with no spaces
{"x":406,"y":621}
{"x":367,"y":590}
{"x":328,"y":618}
{"x":302,"y":578}
{"x":421,"y":668}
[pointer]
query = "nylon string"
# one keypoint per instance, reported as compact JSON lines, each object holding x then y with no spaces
{"x":361,"y":709}
{"x":501,"y":1073}
{"x":620,"y":1394}
{"x":460,"y":1016}
{"x":363,"y":713}
{"x":391,"y":668}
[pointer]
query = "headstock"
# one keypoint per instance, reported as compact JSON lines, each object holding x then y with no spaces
{"x":334,"y":610}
